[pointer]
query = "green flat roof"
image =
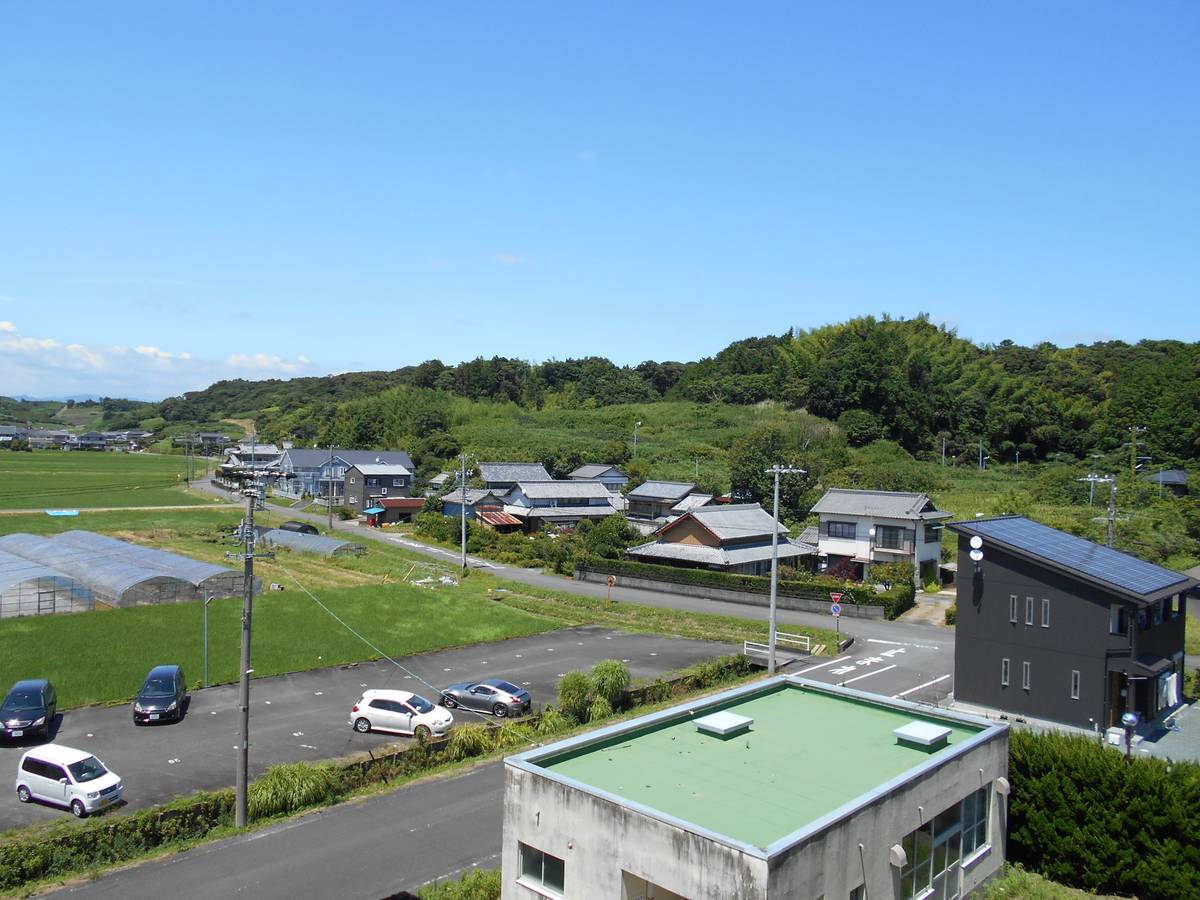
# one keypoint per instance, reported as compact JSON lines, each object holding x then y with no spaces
{"x":807,"y":754}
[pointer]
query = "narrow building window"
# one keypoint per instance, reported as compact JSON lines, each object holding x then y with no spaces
{"x":1045,"y":613}
{"x":1028,"y":610}
{"x":1074,"y":684}
{"x":1004,"y":672}
{"x":1025,"y":675}
{"x":1012,"y":608}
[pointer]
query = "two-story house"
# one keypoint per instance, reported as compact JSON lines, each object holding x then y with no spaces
{"x":504,"y":476}
{"x":311,"y":470}
{"x":476,"y":500}
{"x":861,"y":528}
{"x":665,"y":499}
{"x":1053,"y":626}
{"x":609,"y":476}
{"x":539,"y":503}
{"x":369,"y":482}
{"x":728,"y":538}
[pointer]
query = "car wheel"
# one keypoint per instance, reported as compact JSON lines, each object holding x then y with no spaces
{"x":449,"y":702}
{"x":500,"y":710}
{"x":23,"y":794}
{"x":361,"y":725}
{"x":421,"y":732}
{"x":78,"y":810}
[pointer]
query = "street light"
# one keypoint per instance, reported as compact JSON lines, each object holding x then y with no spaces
{"x":776,"y":471}
{"x":636,"y":426}
{"x":207,"y":600}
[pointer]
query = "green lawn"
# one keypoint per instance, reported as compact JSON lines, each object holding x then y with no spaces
{"x":57,"y":479}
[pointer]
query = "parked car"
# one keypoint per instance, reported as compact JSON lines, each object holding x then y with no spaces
{"x":28,"y":709}
{"x":299,"y":527}
{"x":399,"y":712}
{"x":162,"y":696}
{"x":67,"y":777}
{"x":493,"y":695}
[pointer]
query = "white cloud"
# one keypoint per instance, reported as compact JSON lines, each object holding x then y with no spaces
{"x":42,"y":366}
{"x":508,"y":259}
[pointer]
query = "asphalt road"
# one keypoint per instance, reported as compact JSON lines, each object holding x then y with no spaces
{"x":305,"y":716}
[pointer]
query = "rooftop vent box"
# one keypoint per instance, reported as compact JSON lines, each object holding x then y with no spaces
{"x":724,"y":724}
{"x":922,"y":735}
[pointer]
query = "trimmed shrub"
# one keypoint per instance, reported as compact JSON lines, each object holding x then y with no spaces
{"x":1082,"y":814}
{"x":574,"y":694}
{"x":610,"y":680}
{"x":292,"y":786}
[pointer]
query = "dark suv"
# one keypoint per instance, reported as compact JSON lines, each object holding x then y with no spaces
{"x":162,"y":696}
{"x":28,"y":709}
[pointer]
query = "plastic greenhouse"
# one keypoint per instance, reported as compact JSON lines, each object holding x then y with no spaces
{"x":30,"y":589}
{"x":311,"y":543}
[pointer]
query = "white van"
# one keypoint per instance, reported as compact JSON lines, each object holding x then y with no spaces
{"x":66,"y":777}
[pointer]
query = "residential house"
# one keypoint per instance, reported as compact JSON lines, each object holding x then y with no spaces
{"x":392,"y":510}
{"x":91,"y":440}
{"x":1173,"y":480}
{"x":476,"y":501}
{"x":47,"y":439}
{"x":863,"y":528}
{"x":539,"y":503}
{"x":729,"y":538}
{"x":310,"y":470}
{"x":367,"y":483}
{"x":438,"y":483}
{"x":1053,"y":626}
{"x":504,"y":476}
{"x":252,"y":453}
{"x":665,"y":499}
{"x":10,"y":433}
{"x":609,"y":476}
{"x":731,"y":796}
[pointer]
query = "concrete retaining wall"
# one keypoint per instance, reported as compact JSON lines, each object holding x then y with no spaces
{"x":798,"y":604}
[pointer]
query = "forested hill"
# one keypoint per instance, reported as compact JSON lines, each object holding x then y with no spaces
{"x":908,"y":380}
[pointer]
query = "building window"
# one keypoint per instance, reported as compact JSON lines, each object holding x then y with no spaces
{"x":1028,"y":610}
{"x":1004,"y":672}
{"x":352,"y":480}
{"x":383,"y":492}
{"x":975,"y":821}
{"x":1116,"y":619}
{"x":541,"y":871}
{"x":1012,"y":608}
{"x":1025,"y":667}
{"x":889,"y":537}
{"x":933,"y":534}
{"x":859,"y":893}
{"x":1074,"y":684}
{"x":842,"y":530}
{"x":1045,"y":613}
{"x":397,"y":482}
{"x":1143,"y":619}
{"x":933,"y":853}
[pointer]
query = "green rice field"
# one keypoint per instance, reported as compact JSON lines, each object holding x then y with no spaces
{"x":57,"y":479}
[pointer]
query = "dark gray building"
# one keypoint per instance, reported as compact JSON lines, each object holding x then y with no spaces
{"x":504,"y":476}
{"x":1056,"y":627}
{"x":367,"y":483}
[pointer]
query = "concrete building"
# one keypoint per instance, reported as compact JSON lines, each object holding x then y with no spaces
{"x":861,"y":528}
{"x":785,"y":788}
{"x":1053,"y":626}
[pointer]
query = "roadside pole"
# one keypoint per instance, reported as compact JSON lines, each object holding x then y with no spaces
{"x":247,"y":609}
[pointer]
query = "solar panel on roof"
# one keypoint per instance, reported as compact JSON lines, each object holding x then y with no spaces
{"x":1104,"y":563}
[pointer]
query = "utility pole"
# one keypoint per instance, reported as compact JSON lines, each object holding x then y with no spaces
{"x":243,"y":770}
{"x":775,"y":470}
{"x":1134,"y":431}
{"x":462,"y":507}
{"x":943,"y":449}
{"x":636,"y":426}
{"x":1112,"y":511}
{"x":331,"y":486}
{"x":981,"y":466}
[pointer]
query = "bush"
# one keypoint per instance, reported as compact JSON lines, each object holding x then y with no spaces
{"x":552,"y":722}
{"x":292,"y":786}
{"x":345,"y":513}
{"x":610,"y":680}
{"x":600,"y":710}
{"x":574,"y":693}
{"x":890,"y":574}
{"x":469,"y":741}
{"x":1082,"y":814}
{"x":477,"y":884}
{"x":951,"y":613}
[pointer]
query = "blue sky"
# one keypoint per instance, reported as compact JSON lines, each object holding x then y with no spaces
{"x":190,"y":192}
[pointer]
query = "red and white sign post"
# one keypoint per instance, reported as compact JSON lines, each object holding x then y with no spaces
{"x":836,"y":609}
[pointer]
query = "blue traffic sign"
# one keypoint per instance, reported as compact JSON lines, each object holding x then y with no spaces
{"x":836,"y":609}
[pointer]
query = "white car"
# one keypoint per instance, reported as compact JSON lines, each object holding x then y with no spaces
{"x":399,"y":712}
{"x":67,"y":777}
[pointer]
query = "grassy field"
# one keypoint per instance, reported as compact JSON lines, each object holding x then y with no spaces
{"x":78,"y":480}
{"x":1018,"y":884}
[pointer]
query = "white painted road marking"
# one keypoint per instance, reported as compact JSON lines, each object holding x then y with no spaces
{"x":867,"y":675}
{"x":878,"y":641}
{"x":817,"y":666}
{"x":919,"y":686}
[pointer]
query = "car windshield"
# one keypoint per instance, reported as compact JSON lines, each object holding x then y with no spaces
{"x":87,"y":769}
{"x":420,"y":704}
{"x":158,"y":687}
{"x":508,"y":687}
{"x":24,"y":700}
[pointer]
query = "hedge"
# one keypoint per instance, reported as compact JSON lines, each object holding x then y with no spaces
{"x":1084,"y":815}
{"x":894,"y":600}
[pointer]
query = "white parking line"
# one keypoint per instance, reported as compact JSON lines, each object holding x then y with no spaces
{"x":817,"y":666}
{"x":867,"y":675}
{"x":919,"y":686}
{"x":878,"y":641}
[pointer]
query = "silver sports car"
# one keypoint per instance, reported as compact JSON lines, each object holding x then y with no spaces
{"x":492,"y":695}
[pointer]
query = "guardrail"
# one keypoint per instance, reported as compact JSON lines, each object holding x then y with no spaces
{"x":799,"y":644}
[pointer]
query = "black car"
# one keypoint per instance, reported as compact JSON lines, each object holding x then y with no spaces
{"x":162,"y":696}
{"x":28,"y":709}
{"x":494,"y":695}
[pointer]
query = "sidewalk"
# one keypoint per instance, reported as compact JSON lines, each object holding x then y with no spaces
{"x":930,"y":609}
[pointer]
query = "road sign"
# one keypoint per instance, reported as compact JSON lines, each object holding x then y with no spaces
{"x":836,"y":596}
{"x":836,"y":609}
